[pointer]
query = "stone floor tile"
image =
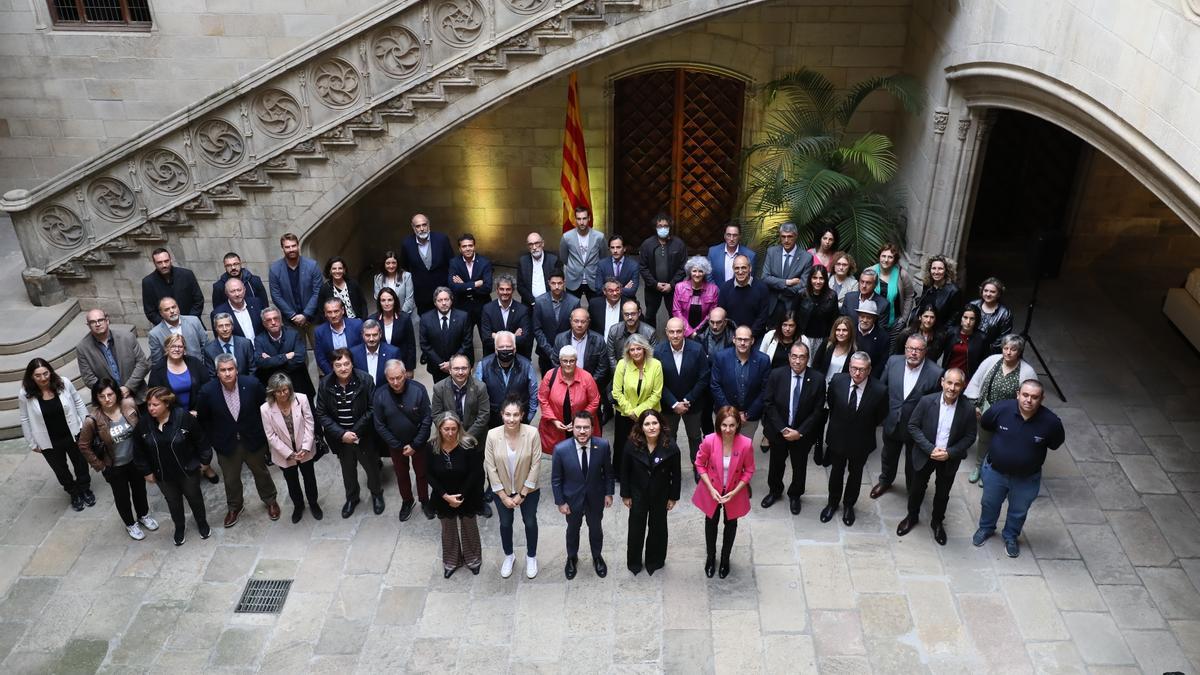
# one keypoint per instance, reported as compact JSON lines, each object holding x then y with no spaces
{"x":1047,"y":536}
{"x":1103,"y":555}
{"x":11,"y":633}
{"x":231,"y":563}
{"x":60,"y":549}
{"x":1097,"y":638}
{"x":1131,"y":607}
{"x":637,"y":632}
{"x":916,"y":557}
{"x":1177,"y":522}
{"x":239,"y":646}
{"x":1033,"y":608}
{"x":300,"y":622}
{"x":787,"y":655}
{"x":31,"y":662}
{"x":321,"y":569}
{"x":1145,"y":474}
{"x":1123,"y":439}
{"x":1055,"y":658}
{"x":837,"y":633}
{"x":27,"y":596}
{"x":1192,"y":567}
{"x":400,"y":606}
{"x":539,"y":634}
{"x":685,"y":605}
{"x":1157,"y":651}
{"x":844,"y":665}
{"x":356,"y":597}
{"x":389,"y":648}
{"x":1187,"y":634}
{"x":341,"y":636}
{"x":687,"y":651}
{"x":894,"y":656}
{"x":12,"y":559}
{"x":1173,"y":454}
{"x":826,"y":578}
{"x":37,"y":518}
{"x":732,"y":631}
{"x":938,"y":626}
{"x":1072,"y":586}
{"x":994,"y":632}
{"x":1144,"y":544}
{"x":869,"y":559}
{"x":146,"y":634}
{"x":372,"y":546}
{"x":435,"y":655}
{"x":1173,"y":592}
{"x":1110,"y":486}
{"x":774,"y":541}
{"x":195,"y":632}
{"x":1149,"y":421}
{"x":1185,"y":482}
{"x":82,"y":656}
{"x":968,"y":568}
{"x":781,"y":598}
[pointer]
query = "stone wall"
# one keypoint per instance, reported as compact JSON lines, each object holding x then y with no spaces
{"x":66,"y":95}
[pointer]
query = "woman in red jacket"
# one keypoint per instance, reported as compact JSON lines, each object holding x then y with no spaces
{"x":564,"y":391}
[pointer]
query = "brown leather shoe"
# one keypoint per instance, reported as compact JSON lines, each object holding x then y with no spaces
{"x":231,"y":518}
{"x":880,"y":489}
{"x":906,"y":526}
{"x":273,"y":510}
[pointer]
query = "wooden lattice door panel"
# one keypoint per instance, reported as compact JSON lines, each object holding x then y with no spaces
{"x":678,"y":142}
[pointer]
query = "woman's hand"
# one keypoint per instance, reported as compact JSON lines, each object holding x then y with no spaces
{"x":506,"y":501}
{"x":715,"y":495}
{"x":670,"y":504}
{"x":454,"y":501}
{"x":627,"y":501}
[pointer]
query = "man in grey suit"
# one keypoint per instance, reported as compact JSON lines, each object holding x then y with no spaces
{"x":942,"y":428}
{"x":225,"y":342}
{"x":907,"y":378}
{"x":104,"y":353}
{"x":580,"y":252}
{"x":631,"y":323}
{"x":785,"y":271}
{"x":194,"y":336}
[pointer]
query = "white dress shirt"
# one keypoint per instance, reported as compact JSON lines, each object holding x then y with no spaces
{"x":612,"y":316}
{"x":911,"y":375}
{"x":538,"y":279}
{"x":945,"y":419}
{"x":242,"y":317}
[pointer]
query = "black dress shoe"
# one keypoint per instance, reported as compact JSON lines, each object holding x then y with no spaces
{"x":906,"y":526}
{"x":601,"y":568}
{"x":635,"y":568}
{"x":377,"y":503}
{"x":316,"y":511}
{"x":827,"y":513}
{"x":724,"y":570}
{"x":427,"y":509}
{"x":448,"y":573}
{"x":794,"y":504}
{"x":818,"y":455}
{"x":769,"y":500}
{"x":848,"y":516}
{"x":405,"y":511}
{"x":939,"y":533}
{"x":298,"y":513}
{"x":77,"y":502}
{"x":710,"y":565}
{"x":348,"y":508}
{"x":89,"y":498}
{"x":475,"y":569}
{"x":571,"y":567}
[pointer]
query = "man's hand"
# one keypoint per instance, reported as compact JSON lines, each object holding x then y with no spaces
{"x":150,"y":478}
{"x":793,"y":281}
{"x":289,"y":356}
{"x":629,"y":284}
{"x":564,"y":509}
{"x":563,"y":427}
{"x":125,"y":393}
{"x":978,"y":414}
{"x":299,"y":320}
{"x":627,"y":501}
{"x":408,"y":451}
{"x":939,"y":455}
{"x":38,"y":450}
{"x":743,"y":417}
{"x":519,"y":333}
{"x":456,"y":279}
{"x":349,"y":438}
{"x":607,"y":501}
{"x":670,"y":504}
{"x":790,"y":434}
{"x":680,"y":408}
{"x":444,"y":366}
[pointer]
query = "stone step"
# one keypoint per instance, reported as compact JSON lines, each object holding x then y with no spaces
{"x":59,"y":351}
{"x":26,"y":328}
{"x":10,"y":389}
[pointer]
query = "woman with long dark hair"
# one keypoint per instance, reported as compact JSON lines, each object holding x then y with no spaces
{"x":398,"y":280}
{"x":52,"y":414}
{"x":815,"y":309}
{"x":822,"y":252}
{"x":512,"y":459}
{"x":925,"y":324}
{"x":965,"y":347}
{"x":106,"y":442}
{"x":396,"y":325}
{"x":339,"y":284}
{"x":650,"y":479}
{"x":832,"y":357}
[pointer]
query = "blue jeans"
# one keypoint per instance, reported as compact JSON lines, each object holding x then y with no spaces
{"x":1020,"y":492}
{"x":528,"y":516}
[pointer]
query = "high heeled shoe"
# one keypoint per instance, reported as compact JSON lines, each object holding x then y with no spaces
{"x":710,"y":565}
{"x":724,"y":569}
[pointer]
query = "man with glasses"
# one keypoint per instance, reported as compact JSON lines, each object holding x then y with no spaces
{"x":631,"y":322}
{"x":907,"y":378}
{"x":857,"y":404}
{"x":104,"y":352}
{"x":534,"y":269}
{"x":233,"y":270}
{"x":712,"y":338}
{"x":721,"y":256}
{"x":739,"y":379}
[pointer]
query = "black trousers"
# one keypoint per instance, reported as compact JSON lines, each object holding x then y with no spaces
{"x":62,"y":458}
{"x":648,"y":528}
{"x":654,"y":300}
{"x":944,"y":471}
{"x":710,"y":533}
{"x":595,"y":532}
{"x":783,"y":451}
{"x":354,"y":456}
{"x":175,"y":491}
{"x":128,"y":484}
{"x":622,"y":426}
{"x":893,"y":447}
{"x":292,"y":474}
{"x":839,"y":467}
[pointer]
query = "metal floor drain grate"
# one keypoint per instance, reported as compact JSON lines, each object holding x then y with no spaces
{"x":264,"y":596}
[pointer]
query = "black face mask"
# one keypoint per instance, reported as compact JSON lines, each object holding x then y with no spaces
{"x":506,"y":355}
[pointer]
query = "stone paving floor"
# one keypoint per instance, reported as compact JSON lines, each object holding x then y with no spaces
{"x":1108,"y":580}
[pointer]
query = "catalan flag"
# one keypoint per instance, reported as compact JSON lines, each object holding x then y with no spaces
{"x":574,"y":180}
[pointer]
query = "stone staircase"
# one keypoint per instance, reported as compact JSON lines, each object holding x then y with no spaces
{"x":48,"y":332}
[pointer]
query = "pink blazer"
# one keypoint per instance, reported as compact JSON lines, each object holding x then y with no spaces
{"x":276,"y":430}
{"x":709,"y":461}
{"x":683,"y":300}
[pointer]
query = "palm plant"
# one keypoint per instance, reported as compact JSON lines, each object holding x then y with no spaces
{"x":811,"y":171}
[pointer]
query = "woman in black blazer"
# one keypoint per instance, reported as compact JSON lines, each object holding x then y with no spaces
{"x":396,"y":325}
{"x":339,"y":284}
{"x":964,"y":347}
{"x":183,"y":375}
{"x":650,"y":478}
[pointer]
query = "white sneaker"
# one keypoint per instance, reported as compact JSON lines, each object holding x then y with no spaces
{"x":135,"y":532}
{"x":148,"y":522}
{"x":531,"y":567}
{"x":507,"y":565}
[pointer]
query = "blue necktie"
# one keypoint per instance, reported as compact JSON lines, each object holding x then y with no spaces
{"x":795,"y":400}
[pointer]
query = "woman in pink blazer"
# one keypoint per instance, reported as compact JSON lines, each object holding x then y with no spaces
{"x":695,"y":296}
{"x":726,"y":465}
{"x":288,"y":424}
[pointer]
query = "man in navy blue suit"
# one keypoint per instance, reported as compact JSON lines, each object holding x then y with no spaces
{"x":228,"y":409}
{"x":280,"y":349}
{"x":582,"y":479}
{"x":245,"y":310}
{"x":426,"y":256}
{"x":685,"y":384}
{"x":373,"y":354}
{"x":336,"y":333}
{"x":225,"y":342}
{"x":739,"y":379}
{"x":620,"y":267}
{"x":295,"y":284}
{"x":506,"y":314}
{"x":470,"y":280}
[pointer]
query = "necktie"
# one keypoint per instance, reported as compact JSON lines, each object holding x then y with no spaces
{"x":795,"y":399}
{"x":228,"y":348}
{"x":445,"y":324}
{"x":617,"y":269}
{"x":854,"y":397}
{"x":583,"y":462}
{"x":787,"y":261}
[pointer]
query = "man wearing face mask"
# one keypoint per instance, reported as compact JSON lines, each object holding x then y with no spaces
{"x":662,"y":257}
{"x":508,"y":374}
{"x":426,"y":255}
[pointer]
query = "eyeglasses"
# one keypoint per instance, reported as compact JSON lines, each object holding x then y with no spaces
{"x":97,"y":322}
{"x":858,"y":369}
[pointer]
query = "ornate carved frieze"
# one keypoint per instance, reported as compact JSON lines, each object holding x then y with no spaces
{"x":277,"y":112}
{"x":398,"y":51}
{"x":60,"y":227}
{"x":220,"y":143}
{"x":459,"y":23}
{"x":337,"y":83}
{"x":164,"y":172}
{"x":111,"y":199}
{"x":526,"y":6}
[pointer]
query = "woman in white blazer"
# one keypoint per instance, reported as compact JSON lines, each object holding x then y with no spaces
{"x":512,"y":458}
{"x":288,"y":424}
{"x":52,"y":414}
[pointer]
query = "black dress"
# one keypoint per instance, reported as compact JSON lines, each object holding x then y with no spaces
{"x":455,"y":473}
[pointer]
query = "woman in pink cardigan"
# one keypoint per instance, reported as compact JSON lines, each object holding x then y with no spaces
{"x":288,"y":424}
{"x":695,"y":296}
{"x":726,"y":465}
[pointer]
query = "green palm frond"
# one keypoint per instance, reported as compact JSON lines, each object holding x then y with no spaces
{"x":903,"y":88}
{"x":872,"y":152}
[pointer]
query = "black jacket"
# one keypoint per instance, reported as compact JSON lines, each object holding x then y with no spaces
{"x":550,"y":263}
{"x":653,"y":479}
{"x":994,"y":326}
{"x":402,"y":337}
{"x":814,"y":316}
{"x":437,"y":347}
{"x":676,"y":257}
{"x":182,"y":287}
{"x":175,"y":451}
{"x":976,"y":350}
{"x":824,"y":356}
{"x":778,"y":402}
{"x":947,"y":301}
{"x":491,"y":320}
{"x":851,"y":432}
{"x":196,"y":368}
{"x":254,"y":288}
{"x":326,"y":410}
{"x":405,"y":419}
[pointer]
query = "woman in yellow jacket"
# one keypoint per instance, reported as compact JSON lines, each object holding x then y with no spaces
{"x":637,"y":387}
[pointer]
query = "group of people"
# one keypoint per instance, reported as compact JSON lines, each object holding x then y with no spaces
{"x":815,"y":355}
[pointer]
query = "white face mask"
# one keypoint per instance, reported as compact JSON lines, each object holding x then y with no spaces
{"x":663,"y":232}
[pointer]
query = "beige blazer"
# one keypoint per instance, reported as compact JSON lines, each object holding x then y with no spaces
{"x":276,"y":430}
{"x":529,"y":461}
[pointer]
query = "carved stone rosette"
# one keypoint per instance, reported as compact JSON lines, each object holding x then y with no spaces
{"x":111,"y":199}
{"x":277,"y":112}
{"x":220,"y":143}
{"x":398,"y":51}
{"x":336,"y":83}
{"x":459,"y":23}
{"x":164,"y":172}
{"x":60,"y":227}
{"x":526,"y":6}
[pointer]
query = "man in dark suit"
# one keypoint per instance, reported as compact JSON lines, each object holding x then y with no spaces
{"x":506,"y":314}
{"x":534,"y":270}
{"x":234,"y":270}
{"x":721,"y":256}
{"x":403,"y":417}
{"x":745,"y":299}
{"x":228,"y":410}
{"x":792,"y":408}
{"x":942,"y":428}
{"x":662,"y":257}
{"x":295,"y":284}
{"x":470,"y":280}
{"x":280,"y":348}
{"x":857,"y":404}
{"x":105,"y":352}
{"x":907,"y":377}
{"x":618,"y":266}
{"x":225,"y":342}
{"x":605,"y":310}
{"x":739,"y":378}
{"x":589,"y":345}
{"x":582,"y":479}
{"x":168,"y":281}
{"x":785,"y":271}
{"x":445,"y":331}
{"x":868,"y":283}
{"x":551,"y":316}
{"x":336,"y":333}
{"x":372,"y":355}
{"x":426,"y":255}
{"x":245,"y":310}
{"x":685,"y":385}
{"x":631,"y":323}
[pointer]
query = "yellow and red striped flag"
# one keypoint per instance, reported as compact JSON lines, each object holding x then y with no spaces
{"x":574,"y":180}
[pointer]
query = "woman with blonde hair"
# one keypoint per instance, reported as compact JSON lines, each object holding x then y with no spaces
{"x":454,"y":472}
{"x":637,"y":387}
{"x":288,"y":424}
{"x":940,"y":291}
